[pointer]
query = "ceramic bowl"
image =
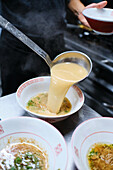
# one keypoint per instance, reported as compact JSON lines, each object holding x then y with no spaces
{"x":38,"y":85}
{"x":100,"y":20}
{"x":35,"y":131}
{"x":96,"y":130}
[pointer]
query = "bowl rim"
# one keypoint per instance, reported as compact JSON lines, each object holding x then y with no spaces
{"x":48,"y":124}
{"x":93,"y":9}
{"x":44,"y":116}
{"x":37,"y":119}
{"x":78,"y":127}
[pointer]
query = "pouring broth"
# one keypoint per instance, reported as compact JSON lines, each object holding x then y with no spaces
{"x":38,"y":104}
{"x":63,"y":76}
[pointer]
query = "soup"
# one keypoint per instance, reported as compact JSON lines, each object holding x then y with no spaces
{"x":100,"y":157}
{"x":21,"y":156}
{"x":63,"y":76}
{"x":38,"y":104}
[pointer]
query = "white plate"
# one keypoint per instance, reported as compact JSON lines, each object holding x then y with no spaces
{"x":33,"y":129}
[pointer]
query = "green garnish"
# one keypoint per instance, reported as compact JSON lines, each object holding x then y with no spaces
{"x":30,"y":162}
{"x":29,"y":167}
{"x":92,"y":153}
{"x":18,"y":160}
{"x":31,"y":103}
{"x":13,"y":168}
{"x":66,"y":111}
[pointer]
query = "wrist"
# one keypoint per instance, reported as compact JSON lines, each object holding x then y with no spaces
{"x":76,"y":7}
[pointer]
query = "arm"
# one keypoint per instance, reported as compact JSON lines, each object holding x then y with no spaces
{"x":77,"y":7}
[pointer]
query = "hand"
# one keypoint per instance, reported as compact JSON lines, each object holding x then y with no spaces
{"x":93,"y":5}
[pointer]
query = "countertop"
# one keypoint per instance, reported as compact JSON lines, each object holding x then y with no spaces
{"x":10,"y":108}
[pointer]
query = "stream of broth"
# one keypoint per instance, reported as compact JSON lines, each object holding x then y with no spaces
{"x":63,"y":76}
{"x":38,"y":104}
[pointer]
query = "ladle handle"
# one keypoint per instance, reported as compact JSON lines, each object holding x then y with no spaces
{"x":27,"y":41}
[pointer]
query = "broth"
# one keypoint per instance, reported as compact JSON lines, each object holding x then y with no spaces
{"x":38,"y":105}
{"x":23,"y":156}
{"x":63,"y":76}
{"x":100,"y":157}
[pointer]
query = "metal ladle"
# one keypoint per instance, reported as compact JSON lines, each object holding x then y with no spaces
{"x":27,"y":41}
{"x":69,"y":56}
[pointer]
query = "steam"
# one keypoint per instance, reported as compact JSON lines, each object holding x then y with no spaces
{"x":43,"y":24}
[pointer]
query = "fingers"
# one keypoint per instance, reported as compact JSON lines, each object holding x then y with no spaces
{"x":93,"y":5}
{"x":83,"y":20}
{"x":101,"y":4}
{"x":97,"y":5}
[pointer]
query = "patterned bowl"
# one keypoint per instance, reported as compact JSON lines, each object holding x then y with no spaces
{"x":95,"y":130}
{"x":36,"y":132}
{"x":37,"y":85}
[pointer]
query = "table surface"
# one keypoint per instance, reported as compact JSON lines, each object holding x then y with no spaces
{"x":10,"y":108}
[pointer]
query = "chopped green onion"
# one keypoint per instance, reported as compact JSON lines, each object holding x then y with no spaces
{"x":66,"y":111}
{"x":18,"y":160}
{"x":13,"y":168}
{"x":30,"y":103}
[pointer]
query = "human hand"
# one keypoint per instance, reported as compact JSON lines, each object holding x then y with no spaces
{"x":93,"y":5}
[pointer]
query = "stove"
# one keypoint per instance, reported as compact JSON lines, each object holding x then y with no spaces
{"x":98,"y":87}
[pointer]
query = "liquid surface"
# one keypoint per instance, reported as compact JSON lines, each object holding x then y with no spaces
{"x":63,"y":76}
{"x":100,"y":157}
{"x":38,"y":105}
{"x":22,"y":156}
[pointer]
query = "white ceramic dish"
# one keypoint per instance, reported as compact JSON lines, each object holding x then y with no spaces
{"x":38,"y":132}
{"x":96,"y":130}
{"x":100,"y":20}
{"x":37,"y":85}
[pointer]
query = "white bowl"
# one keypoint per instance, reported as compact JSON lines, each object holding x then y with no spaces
{"x":100,"y":20}
{"x":37,"y":85}
{"x":38,"y":132}
{"x":96,"y":130}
